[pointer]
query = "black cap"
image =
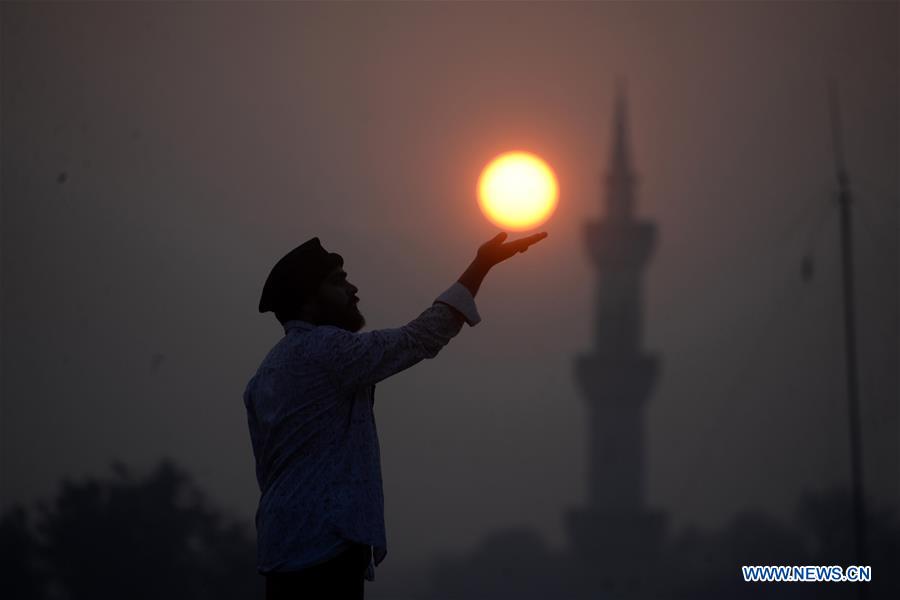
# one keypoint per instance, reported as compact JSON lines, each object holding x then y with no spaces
{"x":297,"y":275}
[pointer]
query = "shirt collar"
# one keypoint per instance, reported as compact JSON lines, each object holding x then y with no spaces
{"x":297,"y":324}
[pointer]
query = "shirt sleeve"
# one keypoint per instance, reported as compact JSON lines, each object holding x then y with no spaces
{"x":359,"y":359}
{"x":460,"y":298}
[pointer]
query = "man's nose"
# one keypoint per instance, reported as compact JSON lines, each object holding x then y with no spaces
{"x":353,"y":289}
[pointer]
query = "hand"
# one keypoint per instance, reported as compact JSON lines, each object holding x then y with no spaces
{"x":496,"y":251}
{"x":492,"y":252}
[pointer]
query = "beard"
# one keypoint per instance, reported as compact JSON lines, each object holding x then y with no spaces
{"x":347,"y":317}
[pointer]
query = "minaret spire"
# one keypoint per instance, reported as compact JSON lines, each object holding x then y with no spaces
{"x":620,"y":178}
{"x":615,"y":528}
{"x":620,"y":158}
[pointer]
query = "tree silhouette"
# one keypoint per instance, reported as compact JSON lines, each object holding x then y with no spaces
{"x":18,"y":556}
{"x":826,"y":520}
{"x":156,"y":537}
{"x":694,"y":564}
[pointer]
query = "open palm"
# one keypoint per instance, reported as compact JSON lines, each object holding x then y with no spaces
{"x":495,"y":250}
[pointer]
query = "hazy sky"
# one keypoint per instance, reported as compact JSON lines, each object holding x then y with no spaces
{"x":157,"y":160}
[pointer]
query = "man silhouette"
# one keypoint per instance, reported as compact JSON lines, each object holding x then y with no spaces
{"x":320,"y":521}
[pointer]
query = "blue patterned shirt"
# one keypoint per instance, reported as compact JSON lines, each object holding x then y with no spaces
{"x":312,"y":426}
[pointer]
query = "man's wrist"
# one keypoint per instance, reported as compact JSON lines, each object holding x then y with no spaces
{"x":474,"y":275}
{"x":481,"y":265}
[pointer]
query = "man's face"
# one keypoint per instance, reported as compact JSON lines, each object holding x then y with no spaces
{"x":335,"y":302}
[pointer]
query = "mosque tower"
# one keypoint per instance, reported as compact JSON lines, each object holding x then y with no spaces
{"x":616,"y":534}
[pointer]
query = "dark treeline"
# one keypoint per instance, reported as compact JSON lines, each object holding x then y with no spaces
{"x":126,"y":537}
{"x":158,"y":536}
{"x":693,"y":564}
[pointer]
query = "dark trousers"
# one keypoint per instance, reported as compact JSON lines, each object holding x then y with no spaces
{"x":341,"y":577}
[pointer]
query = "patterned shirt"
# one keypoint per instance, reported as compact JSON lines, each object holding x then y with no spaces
{"x":312,"y":426}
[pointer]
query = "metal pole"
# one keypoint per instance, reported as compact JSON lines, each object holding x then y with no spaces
{"x":856,"y":463}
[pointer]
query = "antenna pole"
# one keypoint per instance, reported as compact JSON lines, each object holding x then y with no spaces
{"x":856,"y":463}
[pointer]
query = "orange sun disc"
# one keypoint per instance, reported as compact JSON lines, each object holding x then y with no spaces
{"x":517,"y":191}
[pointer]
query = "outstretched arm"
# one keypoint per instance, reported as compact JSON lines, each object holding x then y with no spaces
{"x":365,"y":358}
{"x":492,"y":252}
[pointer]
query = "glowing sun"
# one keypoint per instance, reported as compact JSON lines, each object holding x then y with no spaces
{"x":517,"y":191}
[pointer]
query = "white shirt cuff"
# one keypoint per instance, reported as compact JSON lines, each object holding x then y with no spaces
{"x":458,"y":296}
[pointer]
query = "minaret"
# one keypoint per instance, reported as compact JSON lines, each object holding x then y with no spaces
{"x":617,"y":378}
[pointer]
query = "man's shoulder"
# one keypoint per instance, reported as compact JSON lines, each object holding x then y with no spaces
{"x":301,"y":350}
{"x":296,"y":345}
{"x":328,"y":333}
{"x":322,"y":341}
